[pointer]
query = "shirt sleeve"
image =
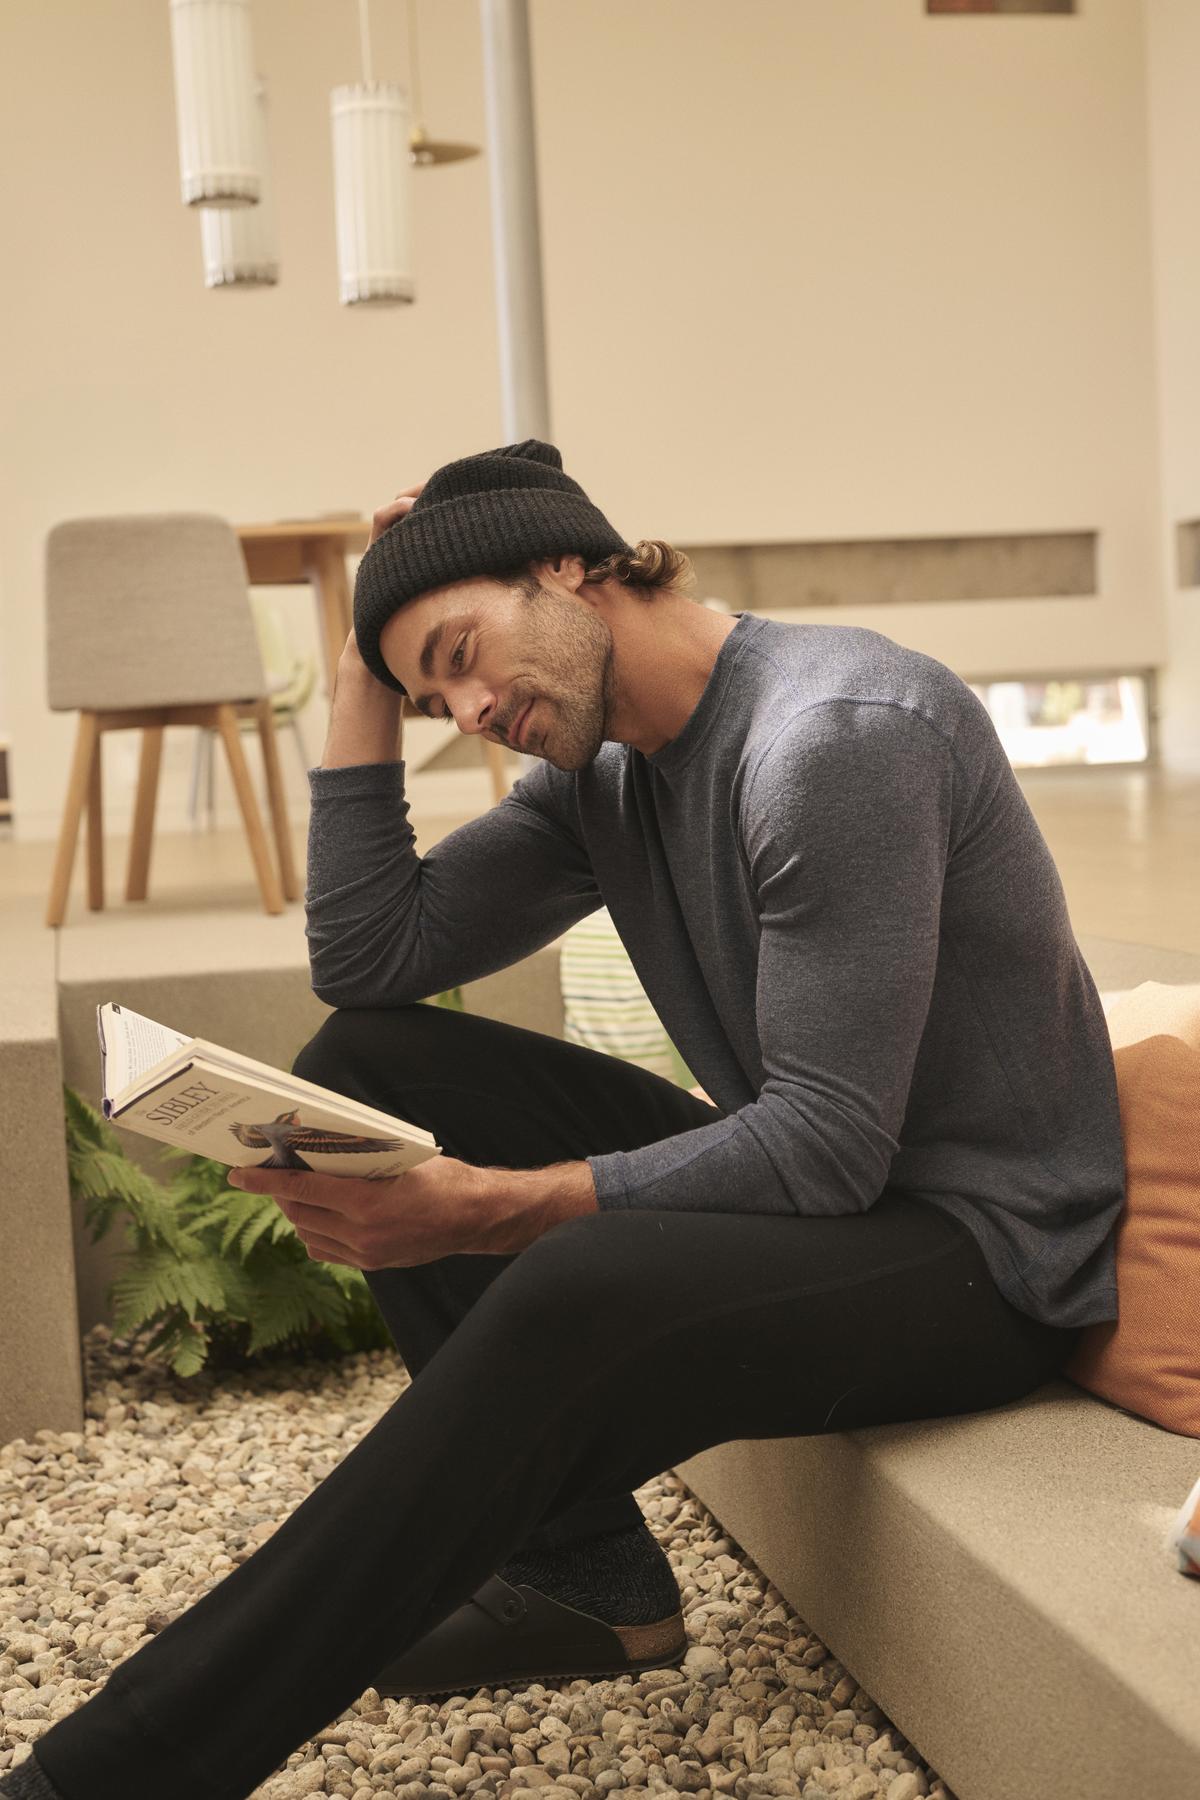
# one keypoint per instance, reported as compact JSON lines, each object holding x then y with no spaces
{"x":386,"y":927}
{"x":845,"y":833}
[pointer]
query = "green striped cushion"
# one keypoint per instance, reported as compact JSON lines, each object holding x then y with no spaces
{"x":605,"y":1005}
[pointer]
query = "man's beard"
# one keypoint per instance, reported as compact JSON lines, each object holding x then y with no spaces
{"x":573,"y":650}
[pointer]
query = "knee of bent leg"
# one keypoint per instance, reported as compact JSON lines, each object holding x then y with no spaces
{"x":578,"y":1265}
{"x":348,"y":1032}
{"x":577,"y":1291}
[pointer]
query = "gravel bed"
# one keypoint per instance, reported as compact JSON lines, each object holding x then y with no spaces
{"x":106,"y":1534}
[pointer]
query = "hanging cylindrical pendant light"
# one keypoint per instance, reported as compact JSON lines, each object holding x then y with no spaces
{"x":372,"y":169}
{"x":239,"y":243}
{"x":214,"y":101}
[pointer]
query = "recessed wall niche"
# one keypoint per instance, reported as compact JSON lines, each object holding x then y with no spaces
{"x":999,"y":6}
{"x":896,"y":571}
{"x":1187,"y":553}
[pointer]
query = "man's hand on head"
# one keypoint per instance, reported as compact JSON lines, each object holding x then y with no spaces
{"x":384,"y":517}
{"x":387,"y":515}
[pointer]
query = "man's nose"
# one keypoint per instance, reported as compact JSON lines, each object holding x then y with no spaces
{"x":477,"y":714}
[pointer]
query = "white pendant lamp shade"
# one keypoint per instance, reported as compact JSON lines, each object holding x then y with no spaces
{"x":215,"y":102}
{"x":372,"y":170}
{"x":239,"y":243}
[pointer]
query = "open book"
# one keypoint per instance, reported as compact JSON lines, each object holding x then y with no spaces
{"x":220,"y":1104}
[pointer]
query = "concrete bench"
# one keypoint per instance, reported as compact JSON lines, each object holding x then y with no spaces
{"x":997,"y":1581}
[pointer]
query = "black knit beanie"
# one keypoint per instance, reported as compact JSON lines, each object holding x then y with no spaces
{"x":483,"y":515}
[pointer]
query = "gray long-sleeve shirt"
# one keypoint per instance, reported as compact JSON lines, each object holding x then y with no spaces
{"x":841,"y":907}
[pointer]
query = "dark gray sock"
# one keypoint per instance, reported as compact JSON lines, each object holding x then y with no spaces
{"x":28,"y":1782}
{"x":621,"y":1577}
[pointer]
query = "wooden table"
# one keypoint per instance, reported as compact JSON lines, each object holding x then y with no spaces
{"x":293,"y":551}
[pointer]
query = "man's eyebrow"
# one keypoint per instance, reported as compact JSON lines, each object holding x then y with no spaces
{"x":433,"y":638}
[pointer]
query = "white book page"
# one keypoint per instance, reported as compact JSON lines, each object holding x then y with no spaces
{"x":132,"y":1045}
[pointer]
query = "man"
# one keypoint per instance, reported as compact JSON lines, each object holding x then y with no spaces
{"x":901,"y":1205}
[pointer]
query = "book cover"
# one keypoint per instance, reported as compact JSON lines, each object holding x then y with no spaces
{"x":221,"y":1105}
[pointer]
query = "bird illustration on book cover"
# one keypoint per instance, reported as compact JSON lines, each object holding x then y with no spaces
{"x":285,"y":1137}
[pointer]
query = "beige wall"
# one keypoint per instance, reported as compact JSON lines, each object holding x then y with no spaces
{"x":134,"y":388}
{"x":827,"y":270}
{"x":1174,"y":56}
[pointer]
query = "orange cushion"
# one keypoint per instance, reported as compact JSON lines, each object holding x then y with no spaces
{"x":1148,"y":1360}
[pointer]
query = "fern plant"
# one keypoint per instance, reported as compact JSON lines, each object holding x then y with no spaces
{"x":210,"y":1268}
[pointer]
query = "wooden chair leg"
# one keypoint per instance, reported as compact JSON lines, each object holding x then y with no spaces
{"x":499,"y":768}
{"x":87,"y":743}
{"x":143,"y":813}
{"x":264,"y":868}
{"x":276,"y":800}
{"x":95,"y":831}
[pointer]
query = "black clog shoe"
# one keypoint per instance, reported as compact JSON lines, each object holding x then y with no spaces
{"x":506,"y":1636}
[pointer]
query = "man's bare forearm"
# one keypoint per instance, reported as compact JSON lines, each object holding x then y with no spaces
{"x":365,"y":719}
{"x":515,"y":1206}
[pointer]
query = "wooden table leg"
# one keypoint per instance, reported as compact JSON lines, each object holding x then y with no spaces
{"x":86,"y":746}
{"x":264,"y":868}
{"x":138,"y":873}
{"x":275,"y":796}
{"x":335,"y":608}
{"x":95,"y":832}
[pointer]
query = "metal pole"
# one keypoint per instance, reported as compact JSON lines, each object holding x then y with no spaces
{"x":516,"y":238}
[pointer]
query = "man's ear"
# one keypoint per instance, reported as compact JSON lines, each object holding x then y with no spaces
{"x":566,"y":570}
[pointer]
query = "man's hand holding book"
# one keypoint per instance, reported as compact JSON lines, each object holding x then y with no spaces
{"x":443,"y":1207}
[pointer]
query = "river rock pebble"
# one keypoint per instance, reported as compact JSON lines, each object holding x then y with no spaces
{"x":107,"y":1534}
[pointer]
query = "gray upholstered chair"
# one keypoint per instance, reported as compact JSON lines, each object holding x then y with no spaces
{"x":148,"y":624}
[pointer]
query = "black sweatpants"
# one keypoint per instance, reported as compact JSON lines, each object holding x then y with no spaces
{"x":545,"y":1386}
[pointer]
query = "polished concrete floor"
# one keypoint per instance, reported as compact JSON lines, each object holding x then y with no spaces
{"x":1126,"y":843}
